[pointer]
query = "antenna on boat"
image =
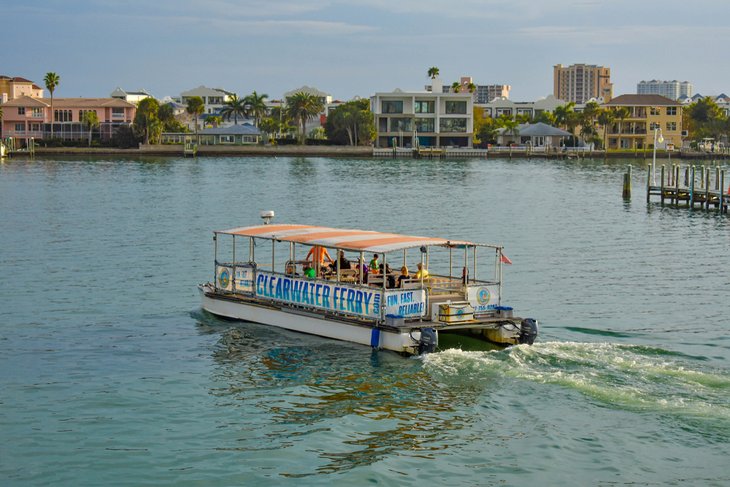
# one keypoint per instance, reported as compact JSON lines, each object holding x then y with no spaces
{"x":267,"y":216}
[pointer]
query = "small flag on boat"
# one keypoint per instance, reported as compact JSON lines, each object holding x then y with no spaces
{"x":505,"y":259}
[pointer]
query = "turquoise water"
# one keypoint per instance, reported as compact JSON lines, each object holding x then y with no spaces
{"x":112,"y":375}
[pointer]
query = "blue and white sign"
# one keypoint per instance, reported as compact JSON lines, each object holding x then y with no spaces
{"x":329,"y":296}
{"x":408,"y":304}
{"x":244,"y":278}
{"x":483,"y":298}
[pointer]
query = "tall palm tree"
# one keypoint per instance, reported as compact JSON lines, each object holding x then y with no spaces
{"x":234,"y":107}
{"x":511,"y":127}
{"x":605,"y":119}
{"x":302,"y":106}
{"x":51,"y":80}
{"x":433,"y":72}
{"x":257,"y":106}
{"x":195,"y":107}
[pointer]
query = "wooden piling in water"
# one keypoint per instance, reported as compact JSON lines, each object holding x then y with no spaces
{"x":627,"y":184}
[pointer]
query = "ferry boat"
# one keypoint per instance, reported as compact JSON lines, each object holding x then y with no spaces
{"x":360,"y":292}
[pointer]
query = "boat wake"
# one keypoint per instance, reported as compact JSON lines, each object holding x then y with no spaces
{"x":623,"y":376}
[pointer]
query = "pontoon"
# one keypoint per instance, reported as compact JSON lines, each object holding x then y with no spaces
{"x":262,"y":276}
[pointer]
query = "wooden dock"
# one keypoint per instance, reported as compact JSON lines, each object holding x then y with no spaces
{"x":691,"y":186}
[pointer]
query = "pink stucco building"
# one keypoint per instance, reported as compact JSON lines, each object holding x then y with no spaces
{"x":29,"y":117}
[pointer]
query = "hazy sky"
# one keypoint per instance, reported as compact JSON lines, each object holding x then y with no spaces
{"x":358,"y":47}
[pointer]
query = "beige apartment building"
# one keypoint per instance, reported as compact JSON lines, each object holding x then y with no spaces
{"x":581,"y":82}
{"x":645,"y":113}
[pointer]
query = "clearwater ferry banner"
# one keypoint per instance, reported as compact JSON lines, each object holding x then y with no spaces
{"x":317,"y":294}
{"x":322,"y":295}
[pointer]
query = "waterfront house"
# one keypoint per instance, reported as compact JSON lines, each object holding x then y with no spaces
{"x":423,"y":119}
{"x":533,"y":135}
{"x":12,"y":87}
{"x":130,"y":96}
{"x":503,"y":106}
{"x":646,"y":113}
{"x":242,"y":134}
{"x":28,"y":117}
{"x":213,"y":98}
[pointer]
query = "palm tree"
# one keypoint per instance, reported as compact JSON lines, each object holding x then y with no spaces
{"x":91,"y":120}
{"x":433,"y":72}
{"x":605,"y":119}
{"x":302,"y":106}
{"x":195,"y":107}
{"x":234,"y":107}
{"x":511,"y":127}
{"x":257,"y":106}
{"x":471,"y":87}
{"x":455,"y":86}
{"x":51,"y":80}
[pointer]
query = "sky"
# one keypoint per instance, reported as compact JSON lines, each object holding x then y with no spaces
{"x":354,"y":48}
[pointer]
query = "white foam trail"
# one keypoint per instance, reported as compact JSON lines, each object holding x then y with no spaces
{"x":614,"y":374}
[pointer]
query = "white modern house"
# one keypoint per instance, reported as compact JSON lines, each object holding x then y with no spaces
{"x":213,"y":98}
{"x":423,"y":119}
{"x":130,"y":96}
{"x":503,"y":106}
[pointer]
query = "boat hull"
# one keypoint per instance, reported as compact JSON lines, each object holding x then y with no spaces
{"x":404,"y":341}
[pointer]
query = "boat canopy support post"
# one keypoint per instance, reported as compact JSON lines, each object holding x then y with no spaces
{"x":474,"y":274}
{"x":233,"y":264}
{"x":215,"y":258}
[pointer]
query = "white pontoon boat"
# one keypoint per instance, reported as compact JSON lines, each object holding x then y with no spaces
{"x":261,"y":275}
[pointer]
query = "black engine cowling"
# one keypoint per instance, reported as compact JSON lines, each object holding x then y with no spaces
{"x":428,"y":342}
{"x":528,"y":331}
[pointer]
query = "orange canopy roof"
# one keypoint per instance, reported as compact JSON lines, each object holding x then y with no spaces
{"x":355,"y":240}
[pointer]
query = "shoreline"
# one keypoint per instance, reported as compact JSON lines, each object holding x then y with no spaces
{"x":349,"y":151}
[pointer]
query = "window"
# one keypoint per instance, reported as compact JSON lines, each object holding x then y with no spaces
{"x":455,"y":107}
{"x":400,"y":125}
{"x":453,"y":125}
{"x":35,"y":127}
{"x":424,"y":107}
{"x":671,"y":126}
{"x":392,"y":107}
{"x":62,"y":116}
{"x":671,"y":110}
{"x":227,"y":139}
{"x":19,"y":128}
{"x":21,"y":110}
{"x":654,"y":111}
{"x":37,"y":113}
{"x":424,"y":125}
{"x":118,"y":112}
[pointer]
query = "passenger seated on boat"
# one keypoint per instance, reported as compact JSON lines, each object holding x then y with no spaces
{"x":404,"y":274}
{"x":344,"y":263}
{"x":422,"y":272}
{"x":387,"y":271}
{"x":309,"y":271}
{"x":291,"y":269}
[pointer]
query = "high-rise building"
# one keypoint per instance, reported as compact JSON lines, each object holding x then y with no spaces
{"x":581,"y":82}
{"x":673,"y":90}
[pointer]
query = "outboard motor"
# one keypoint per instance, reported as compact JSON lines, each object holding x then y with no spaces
{"x":428,"y":342}
{"x":528,"y":331}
